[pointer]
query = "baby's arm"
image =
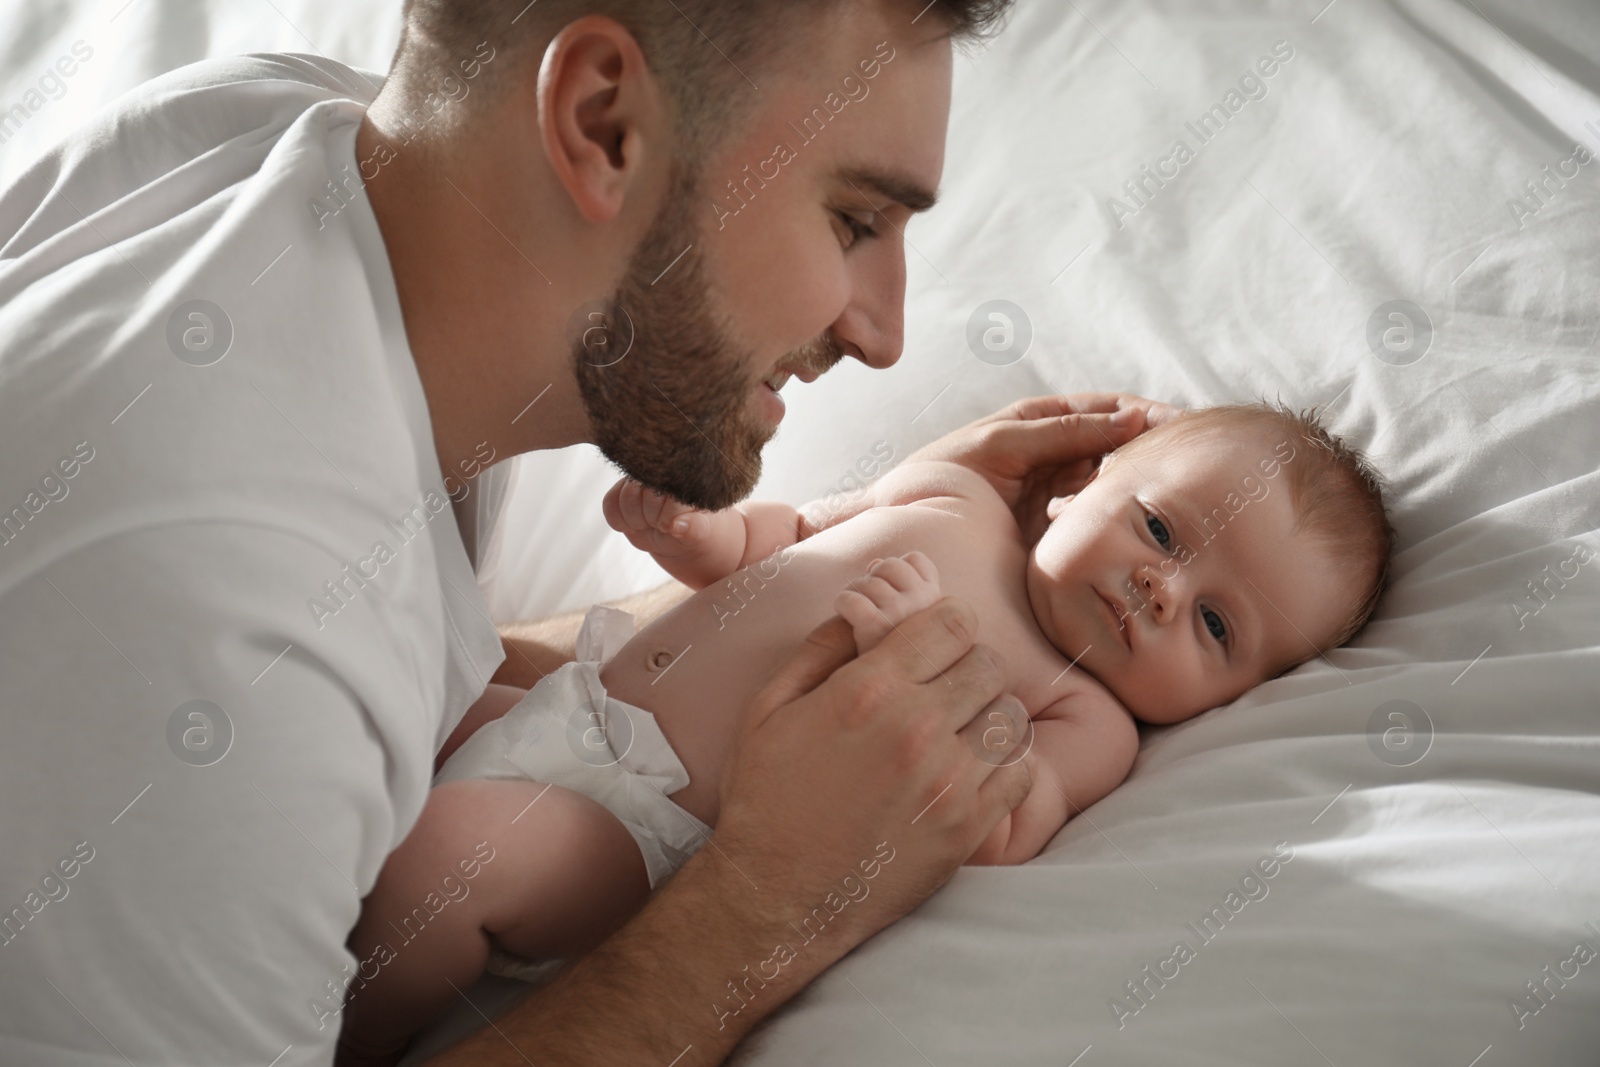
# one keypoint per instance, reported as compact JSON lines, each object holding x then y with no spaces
{"x":1083,"y":747}
{"x":699,"y":547}
{"x":702,"y":547}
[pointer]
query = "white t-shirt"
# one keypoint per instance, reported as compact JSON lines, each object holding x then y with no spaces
{"x":218,"y":483}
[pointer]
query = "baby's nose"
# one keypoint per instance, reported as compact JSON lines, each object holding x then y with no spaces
{"x":1152,"y":589}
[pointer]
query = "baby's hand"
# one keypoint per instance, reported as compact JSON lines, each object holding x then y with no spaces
{"x":893,"y":590}
{"x":657,"y":524}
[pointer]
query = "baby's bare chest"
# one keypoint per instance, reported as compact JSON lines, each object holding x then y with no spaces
{"x":699,"y":665}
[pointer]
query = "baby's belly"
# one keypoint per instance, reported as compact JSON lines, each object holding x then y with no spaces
{"x":697,"y":667}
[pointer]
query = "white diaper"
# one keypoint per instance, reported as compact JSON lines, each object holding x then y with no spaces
{"x":567,"y":731}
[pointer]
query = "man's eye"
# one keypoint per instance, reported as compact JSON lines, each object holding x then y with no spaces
{"x":1214,"y":624}
{"x":857,"y":228}
{"x":1158,"y":530}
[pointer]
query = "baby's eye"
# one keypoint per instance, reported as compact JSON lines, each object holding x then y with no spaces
{"x":1158,"y":530}
{"x":1214,"y":624}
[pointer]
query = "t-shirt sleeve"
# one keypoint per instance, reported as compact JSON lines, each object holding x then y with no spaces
{"x":198,"y":800}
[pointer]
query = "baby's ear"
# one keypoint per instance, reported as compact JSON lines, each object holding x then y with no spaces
{"x":1058,"y":504}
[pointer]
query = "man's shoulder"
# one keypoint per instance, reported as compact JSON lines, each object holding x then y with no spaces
{"x":201,"y":121}
{"x":317,"y":72}
{"x":247,"y":85}
{"x":179,"y":309}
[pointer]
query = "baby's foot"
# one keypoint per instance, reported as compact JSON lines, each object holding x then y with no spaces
{"x":893,"y":590}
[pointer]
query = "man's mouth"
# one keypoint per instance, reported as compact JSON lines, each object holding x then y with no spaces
{"x":808,"y":364}
{"x":780,"y":377}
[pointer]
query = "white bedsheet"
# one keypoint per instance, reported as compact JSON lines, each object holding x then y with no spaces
{"x":1381,"y":164}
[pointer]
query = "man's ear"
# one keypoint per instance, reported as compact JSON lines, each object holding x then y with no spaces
{"x":596,"y":99}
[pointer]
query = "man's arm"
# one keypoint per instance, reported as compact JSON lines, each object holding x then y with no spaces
{"x":536,"y":647}
{"x":853,"y":780}
{"x":657,"y":990}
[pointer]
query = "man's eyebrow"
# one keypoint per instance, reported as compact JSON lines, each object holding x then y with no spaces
{"x":900,"y":188}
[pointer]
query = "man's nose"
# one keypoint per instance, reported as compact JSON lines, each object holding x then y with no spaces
{"x":872,"y":326}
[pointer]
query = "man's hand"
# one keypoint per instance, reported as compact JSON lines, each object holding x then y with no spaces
{"x":839,"y":763}
{"x":1046,"y":446}
{"x":853,"y":779}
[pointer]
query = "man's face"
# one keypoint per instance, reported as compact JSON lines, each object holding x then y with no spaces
{"x":1177,"y":577}
{"x":778,"y":256}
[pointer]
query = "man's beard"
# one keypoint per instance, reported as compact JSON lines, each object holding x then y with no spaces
{"x":675,"y":411}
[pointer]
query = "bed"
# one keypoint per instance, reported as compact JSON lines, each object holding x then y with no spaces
{"x":1400,"y":222}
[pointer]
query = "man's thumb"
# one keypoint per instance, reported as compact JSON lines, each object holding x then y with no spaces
{"x":825,"y":649}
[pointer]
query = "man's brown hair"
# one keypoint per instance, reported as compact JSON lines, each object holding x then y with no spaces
{"x":709,"y":54}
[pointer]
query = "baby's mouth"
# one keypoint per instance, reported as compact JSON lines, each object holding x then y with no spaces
{"x":1119,"y":619}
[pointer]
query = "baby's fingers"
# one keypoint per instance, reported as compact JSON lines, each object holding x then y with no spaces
{"x":631,"y":503}
{"x":687,"y":526}
{"x":897,"y":572}
{"x":923,"y":566}
{"x":674,"y":517}
{"x":611,"y":506}
{"x":655,"y":507}
{"x":860,"y":612}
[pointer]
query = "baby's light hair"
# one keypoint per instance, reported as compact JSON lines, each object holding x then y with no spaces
{"x":1338,"y":495}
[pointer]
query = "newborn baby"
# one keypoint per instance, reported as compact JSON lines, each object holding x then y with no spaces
{"x":1204,"y":557}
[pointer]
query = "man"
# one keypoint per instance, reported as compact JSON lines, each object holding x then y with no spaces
{"x":258,"y":346}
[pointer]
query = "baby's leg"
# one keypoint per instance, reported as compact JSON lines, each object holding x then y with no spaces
{"x":495,"y":702}
{"x":556,"y":874}
{"x":893,"y":590}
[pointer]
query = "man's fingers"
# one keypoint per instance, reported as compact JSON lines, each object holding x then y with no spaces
{"x":1005,"y":787}
{"x":1000,"y":733}
{"x":824,"y":650}
{"x":928,"y":644}
{"x":1047,"y":407}
{"x":1067,"y":438}
{"x":1001,"y":736}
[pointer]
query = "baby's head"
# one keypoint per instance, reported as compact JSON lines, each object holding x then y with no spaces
{"x":1210,"y":554}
